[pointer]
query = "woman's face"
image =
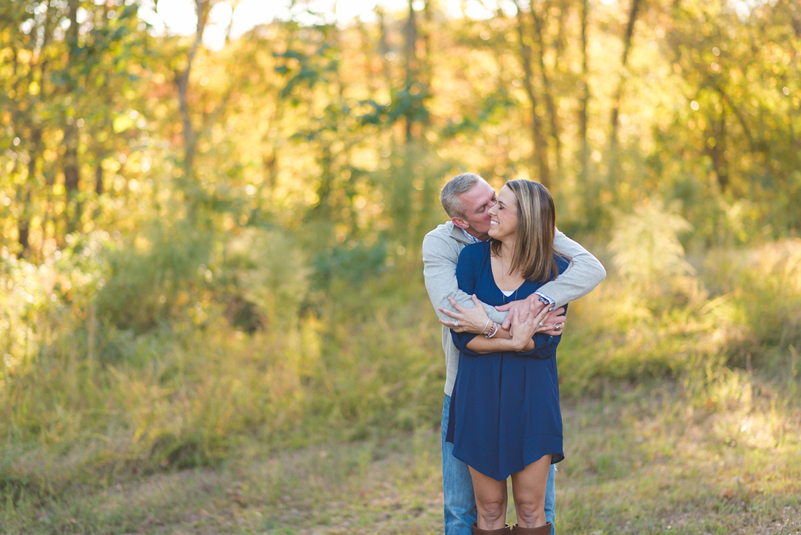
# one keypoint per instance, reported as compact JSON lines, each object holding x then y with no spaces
{"x":503,"y":216}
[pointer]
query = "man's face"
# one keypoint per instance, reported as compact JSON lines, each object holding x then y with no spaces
{"x":477,"y":202}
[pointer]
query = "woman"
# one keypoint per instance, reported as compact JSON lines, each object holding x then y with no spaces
{"x":505,"y":418}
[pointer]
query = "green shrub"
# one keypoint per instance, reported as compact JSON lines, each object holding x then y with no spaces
{"x":268,"y":278}
{"x":152,"y":278}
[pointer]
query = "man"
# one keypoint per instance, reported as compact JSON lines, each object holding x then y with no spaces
{"x":467,"y":199}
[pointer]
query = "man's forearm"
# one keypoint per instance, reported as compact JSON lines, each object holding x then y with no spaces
{"x":439,"y":271}
{"x":583,"y":274}
{"x":466,"y":301}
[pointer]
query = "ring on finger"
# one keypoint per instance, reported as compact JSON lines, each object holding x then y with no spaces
{"x":455,"y":323}
{"x":558,"y":326}
{"x":541,"y":324}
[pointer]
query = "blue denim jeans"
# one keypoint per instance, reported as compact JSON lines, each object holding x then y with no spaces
{"x":457,"y":488}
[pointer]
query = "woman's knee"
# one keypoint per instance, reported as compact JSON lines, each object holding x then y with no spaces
{"x":492,"y":511}
{"x":530,"y":514}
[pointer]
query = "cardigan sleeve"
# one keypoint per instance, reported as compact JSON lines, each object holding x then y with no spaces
{"x":583,"y":274}
{"x":545,"y":345}
{"x":467,"y":277}
{"x":440,"y":258}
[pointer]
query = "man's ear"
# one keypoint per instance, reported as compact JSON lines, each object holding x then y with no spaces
{"x":461,"y":223}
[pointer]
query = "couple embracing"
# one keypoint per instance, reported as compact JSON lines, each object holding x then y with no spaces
{"x":500,"y":276}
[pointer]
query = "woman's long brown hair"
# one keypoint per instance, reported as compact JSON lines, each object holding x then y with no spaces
{"x":533,"y":255}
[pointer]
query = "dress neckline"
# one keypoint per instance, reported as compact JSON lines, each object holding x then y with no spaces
{"x":492,"y":276}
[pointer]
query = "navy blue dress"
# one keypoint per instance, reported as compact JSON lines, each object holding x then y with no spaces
{"x":504,"y":411}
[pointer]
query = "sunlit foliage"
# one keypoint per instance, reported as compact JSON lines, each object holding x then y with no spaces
{"x":203,"y":245}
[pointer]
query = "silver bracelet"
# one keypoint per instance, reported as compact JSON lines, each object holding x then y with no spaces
{"x":493,"y":330}
{"x":485,"y":326}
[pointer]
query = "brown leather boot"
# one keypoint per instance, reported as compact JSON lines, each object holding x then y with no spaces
{"x":501,"y":531}
{"x":542,"y":530}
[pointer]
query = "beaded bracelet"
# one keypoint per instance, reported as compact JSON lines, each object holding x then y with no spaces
{"x":493,"y":330}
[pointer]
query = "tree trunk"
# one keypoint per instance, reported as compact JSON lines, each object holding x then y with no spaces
{"x":71,"y":165}
{"x":383,"y":47}
{"x":539,"y":153}
{"x":717,"y":151}
{"x":366,"y":45}
{"x":726,"y":101}
{"x":322,"y":209}
{"x":411,"y":64}
{"x":24,"y":218}
{"x":24,"y":222}
{"x":24,"y":193}
{"x":635,"y":5}
{"x":23,"y":229}
{"x":426,"y":72}
{"x":546,"y":86}
{"x":99,"y":178}
{"x":559,"y":42}
{"x":182,"y":81}
{"x":584,"y":95}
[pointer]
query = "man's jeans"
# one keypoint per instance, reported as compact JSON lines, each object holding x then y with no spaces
{"x":457,"y":488}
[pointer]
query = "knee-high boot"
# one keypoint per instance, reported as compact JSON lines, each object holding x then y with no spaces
{"x":500,"y":531}
{"x":542,"y":530}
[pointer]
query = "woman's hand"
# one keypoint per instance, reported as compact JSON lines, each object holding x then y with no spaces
{"x":523,"y":331}
{"x":554,"y":322}
{"x":466,"y":320}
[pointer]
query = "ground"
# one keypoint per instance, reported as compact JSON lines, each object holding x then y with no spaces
{"x":645,"y":460}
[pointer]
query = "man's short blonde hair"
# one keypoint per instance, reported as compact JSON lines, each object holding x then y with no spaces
{"x":449,"y":197}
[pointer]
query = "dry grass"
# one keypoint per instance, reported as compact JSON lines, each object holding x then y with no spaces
{"x":641,"y":460}
{"x":681,"y":416}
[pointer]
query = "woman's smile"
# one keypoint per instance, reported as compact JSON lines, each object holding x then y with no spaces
{"x":503,"y":216}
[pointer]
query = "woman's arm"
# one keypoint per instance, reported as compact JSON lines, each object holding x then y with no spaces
{"x":474,"y":320}
{"x":520,"y":339}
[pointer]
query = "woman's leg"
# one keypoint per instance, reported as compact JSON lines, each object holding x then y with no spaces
{"x":490,"y":500}
{"x":528,"y":489}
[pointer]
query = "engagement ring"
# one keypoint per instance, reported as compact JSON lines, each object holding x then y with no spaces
{"x":455,"y":323}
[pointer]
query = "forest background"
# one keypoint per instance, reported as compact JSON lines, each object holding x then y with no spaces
{"x":212,"y":310}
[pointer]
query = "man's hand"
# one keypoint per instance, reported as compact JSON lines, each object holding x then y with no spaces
{"x":523,"y":331}
{"x":466,"y":320}
{"x":523,"y":306}
{"x":553,"y":322}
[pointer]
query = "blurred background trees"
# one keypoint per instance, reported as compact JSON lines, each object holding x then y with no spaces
{"x":108,"y":123}
{"x":166,"y":204}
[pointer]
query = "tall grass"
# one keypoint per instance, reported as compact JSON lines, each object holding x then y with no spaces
{"x":657,"y":315}
{"x":186,"y":393}
{"x":245,"y":348}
